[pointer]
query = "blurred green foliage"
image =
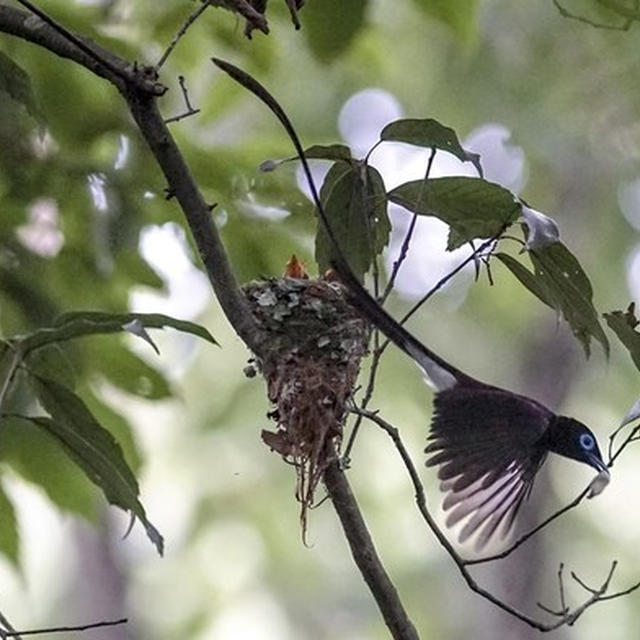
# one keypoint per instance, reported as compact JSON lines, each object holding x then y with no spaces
{"x":564,"y":90}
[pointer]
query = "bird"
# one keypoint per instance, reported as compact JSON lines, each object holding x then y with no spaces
{"x":488,"y":443}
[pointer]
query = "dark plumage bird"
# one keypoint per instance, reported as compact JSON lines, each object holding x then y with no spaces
{"x":488,"y":443}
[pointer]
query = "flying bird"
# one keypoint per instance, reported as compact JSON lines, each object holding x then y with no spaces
{"x":488,"y":443}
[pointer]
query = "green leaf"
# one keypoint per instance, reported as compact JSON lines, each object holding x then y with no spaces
{"x":332,"y":152}
{"x":77,"y":324}
{"x":623,"y":324}
{"x":571,"y":288}
{"x":117,"y":424}
{"x":126,"y":370}
{"x":527,"y":279}
{"x":9,"y":538}
{"x":92,"y":448}
{"x":355,"y":202}
{"x":328,"y":152}
{"x":559,"y":281}
{"x":15,"y":82}
{"x":377,"y":204}
{"x":41,"y":461}
{"x":331,"y":26}
{"x":52,"y":361}
{"x":472,"y":207}
{"x":457,"y":14}
{"x":429,"y":133}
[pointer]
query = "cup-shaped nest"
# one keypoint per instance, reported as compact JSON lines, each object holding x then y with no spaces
{"x":310,"y":361}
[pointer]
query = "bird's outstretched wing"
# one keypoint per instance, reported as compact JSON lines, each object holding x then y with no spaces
{"x":488,"y":445}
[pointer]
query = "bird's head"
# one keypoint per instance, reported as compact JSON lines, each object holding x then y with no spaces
{"x":572,"y":439}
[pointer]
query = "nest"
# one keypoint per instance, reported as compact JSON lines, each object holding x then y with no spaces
{"x":310,"y":362}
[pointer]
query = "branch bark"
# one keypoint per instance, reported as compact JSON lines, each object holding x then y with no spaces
{"x":365,"y":555}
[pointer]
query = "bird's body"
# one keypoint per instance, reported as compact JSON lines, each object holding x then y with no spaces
{"x":488,"y":443}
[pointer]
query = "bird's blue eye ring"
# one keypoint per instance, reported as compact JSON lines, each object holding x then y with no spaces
{"x":587,"y":442}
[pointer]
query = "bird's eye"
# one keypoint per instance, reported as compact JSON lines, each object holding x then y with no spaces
{"x":587,"y":442}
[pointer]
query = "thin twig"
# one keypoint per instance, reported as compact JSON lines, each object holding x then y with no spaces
{"x":185,"y":96}
{"x":377,"y":351}
{"x":485,"y":245}
{"x":444,"y":280}
{"x":404,"y":249}
{"x":8,"y":628}
{"x":420,"y":497}
{"x":524,"y":537}
{"x":181,"y":32}
{"x":563,"y":602}
{"x":630,"y":438}
{"x":366,"y":398}
{"x":66,"y":629}
{"x":620,"y":594}
{"x":598,"y":25}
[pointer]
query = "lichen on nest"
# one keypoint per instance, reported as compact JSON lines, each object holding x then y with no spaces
{"x":310,"y":361}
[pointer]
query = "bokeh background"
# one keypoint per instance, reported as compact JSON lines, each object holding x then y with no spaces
{"x":553,"y":107}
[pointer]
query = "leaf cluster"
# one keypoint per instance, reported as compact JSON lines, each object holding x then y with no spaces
{"x":34,"y":392}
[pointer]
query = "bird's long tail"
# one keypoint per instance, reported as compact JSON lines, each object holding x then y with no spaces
{"x":441,"y":374}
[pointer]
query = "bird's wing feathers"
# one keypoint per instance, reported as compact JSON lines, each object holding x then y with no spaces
{"x":487,"y":443}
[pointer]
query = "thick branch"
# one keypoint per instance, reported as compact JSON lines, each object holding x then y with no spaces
{"x":365,"y":555}
{"x":89,"y":55}
{"x":198,"y":214}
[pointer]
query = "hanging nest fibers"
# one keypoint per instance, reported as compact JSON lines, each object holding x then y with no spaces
{"x":310,"y":363}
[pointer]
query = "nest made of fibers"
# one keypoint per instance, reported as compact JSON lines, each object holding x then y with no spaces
{"x":310,"y":361}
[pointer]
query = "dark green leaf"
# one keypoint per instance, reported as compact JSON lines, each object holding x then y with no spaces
{"x":472,"y":207}
{"x":457,"y":14}
{"x":332,"y":152}
{"x":559,"y":281}
{"x":53,"y":362}
{"x":429,"y":133}
{"x":328,"y":152}
{"x":377,"y":206}
{"x":84,"y":323}
{"x":330,"y":26}
{"x":624,"y":324}
{"x":40,"y":460}
{"x":117,"y":424}
{"x":570,"y":287}
{"x":354,"y":200}
{"x":126,"y":370}
{"x":527,"y":279}
{"x":15,"y":82}
{"x":9,"y":539}
{"x":92,"y":448}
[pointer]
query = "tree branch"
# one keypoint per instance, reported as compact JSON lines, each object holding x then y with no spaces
{"x":65,"y":629}
{"x":365,"y":556}
{"x":48,"y":34}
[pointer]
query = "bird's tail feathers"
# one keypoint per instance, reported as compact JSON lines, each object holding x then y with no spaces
{"x":440,"y":373}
